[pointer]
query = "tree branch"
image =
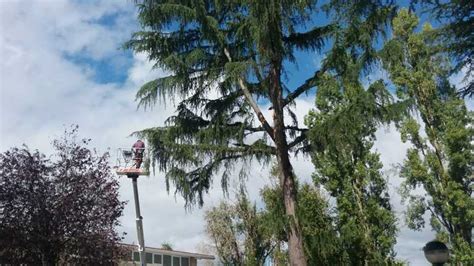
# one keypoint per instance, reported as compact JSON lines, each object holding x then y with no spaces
{"x":296,"y":128}
{"x":307,"y":85}
{"x":297,"y":140}
{"x":272,"y":150}
{"x":252,"y":102}
{"x":311,"y":40}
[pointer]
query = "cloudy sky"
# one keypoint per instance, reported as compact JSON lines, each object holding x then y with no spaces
{"x":61,"y":64}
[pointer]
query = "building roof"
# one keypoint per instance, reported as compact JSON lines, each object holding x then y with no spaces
{"x":175,"y":252}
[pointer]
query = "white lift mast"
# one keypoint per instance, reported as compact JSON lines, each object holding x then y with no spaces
{"x":130,"y":164}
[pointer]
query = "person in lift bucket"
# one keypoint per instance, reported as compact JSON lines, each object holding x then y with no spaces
{"x":138,"y":149}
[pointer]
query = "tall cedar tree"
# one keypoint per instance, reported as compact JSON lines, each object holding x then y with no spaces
{"x":441,"y":162}
{"x":58,"y":211}
{"x":457,"y":34}
{"x":222,"y":56}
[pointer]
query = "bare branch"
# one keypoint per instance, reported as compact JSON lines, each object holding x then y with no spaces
{"x":252,"y":102}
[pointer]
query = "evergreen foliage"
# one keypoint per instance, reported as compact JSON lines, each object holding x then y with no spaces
{"x":209,"y":47}
{"x":222,"y":56}
{"x":441,"y":159}
{"x":321,"y":243}
{"x":457,"y":34}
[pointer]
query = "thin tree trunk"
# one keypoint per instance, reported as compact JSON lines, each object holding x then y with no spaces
{"x":287,"y":178}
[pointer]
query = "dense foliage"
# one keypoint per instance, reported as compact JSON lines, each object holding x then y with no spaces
{"x":456,"y":34}
{"x":343,"y":133}
{"x":225,"y":59}
{"x":58,"y":210}
{"x":222,"y":56}
{"x":243,"y":235}
{"x":440,"y":130}
{"x":238,"y":232}
{"x":321,"y":242}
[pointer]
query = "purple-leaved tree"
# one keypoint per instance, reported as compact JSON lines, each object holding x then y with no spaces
{"x":58,"y":210}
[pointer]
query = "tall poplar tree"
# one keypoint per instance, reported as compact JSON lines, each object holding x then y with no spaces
{"x":222,"y":57}
{"x":440,"y":129}
{"x":343,"y":133}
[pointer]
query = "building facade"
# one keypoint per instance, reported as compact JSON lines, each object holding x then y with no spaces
{"x":163,"y":257}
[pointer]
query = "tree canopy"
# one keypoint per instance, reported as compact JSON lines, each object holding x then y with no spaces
{"x":342,"y":133}
{"x":58,"y":210}
{"x":239,"y":233}
{"x":224,"y":57}
{"x":457,"y":35}
{"x":320,"y":238}
{"x":245,"y":235}
{"x":440,"y":131}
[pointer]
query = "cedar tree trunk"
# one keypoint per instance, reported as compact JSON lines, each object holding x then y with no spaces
{"x":286,"y":175}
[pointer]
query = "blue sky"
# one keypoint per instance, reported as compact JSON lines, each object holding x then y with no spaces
{"x":113,"y":69}
{"x":108,"y":69}
{"x":62,"y":64}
